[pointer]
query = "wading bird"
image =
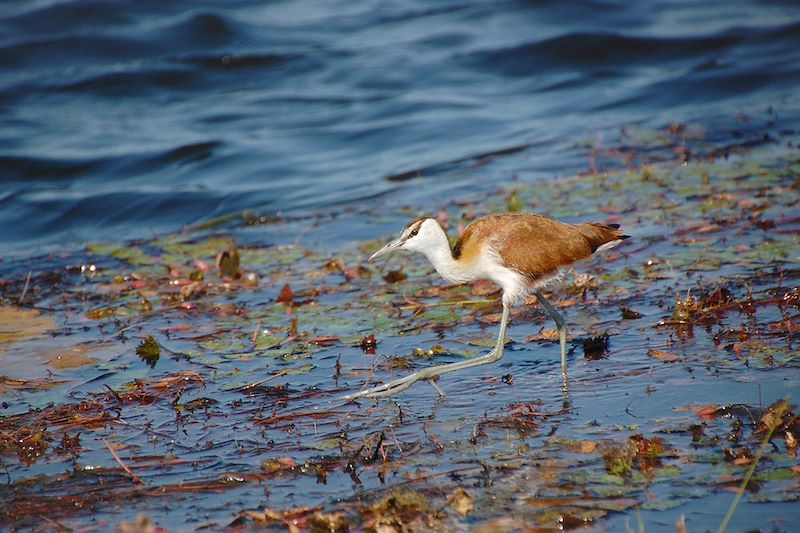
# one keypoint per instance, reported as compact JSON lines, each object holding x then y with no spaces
{"x":519,"y":252}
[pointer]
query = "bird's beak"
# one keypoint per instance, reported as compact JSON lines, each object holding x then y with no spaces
{"x":389,"y":248}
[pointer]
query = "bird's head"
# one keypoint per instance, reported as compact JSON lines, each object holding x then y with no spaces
{"x":418,"y":236}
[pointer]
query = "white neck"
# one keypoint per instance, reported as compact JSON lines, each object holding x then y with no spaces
{"x":441,"y":257}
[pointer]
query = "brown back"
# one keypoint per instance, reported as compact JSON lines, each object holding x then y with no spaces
{"x":533,"y":245}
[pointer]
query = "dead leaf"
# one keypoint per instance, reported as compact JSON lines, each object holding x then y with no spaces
{"x":72,"y":357}
{"x":431,"y":291}
{"x":583,"y":283}
{"x":228,"y":263}
{"x":544,"y":335}
{"x":492,"y":318}
{"x":34,"y":385}
{"x":325,"y":341}
{"x":629,"y":314}
{"x":334,"y":265}
{"x":329,"y":523}
{"x":182,"y":379}
{"x":369,"y":344}
{"x":142,"y":524}
{"x":285,"y":296}
{"x":709,"y":412}
{"x":583,"y":446}
{"x":357,"y":272}
{"x":191,"y":289}
{"x":19,"y":324}
{"x":684,"y":309}
{"x":484,"y":288}
{"x":772,"y":416}
{"x":709,"y":228}
{"x":662,"y":356}
{"x":531,"y":300}
{"x":251,"y":279}
{"x":719,"y":296}
{"x":399,"y":502}
{"x":265,"y":516}
{"x":461,"y":501}
{"x":609,"y":504}
{"x":271,"y":466}
{"x":99,"y":314}
{"x":792,"y":297}
{"x":740,"y":456}
{"x":395,"y":276}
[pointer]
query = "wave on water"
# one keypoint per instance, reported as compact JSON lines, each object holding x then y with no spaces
{"x":595,"y":51}
{"x":171,"y":113}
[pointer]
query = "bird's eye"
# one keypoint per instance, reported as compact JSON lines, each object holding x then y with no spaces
{"x":413,"y":233}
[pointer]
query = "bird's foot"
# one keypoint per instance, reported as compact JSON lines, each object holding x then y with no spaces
{"x":398,"y":385}
{"x":387,"y":389}
{"x":426,"y":374}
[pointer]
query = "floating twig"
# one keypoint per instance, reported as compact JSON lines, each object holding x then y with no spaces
{"x":114,"y":393}
{"x":25,"y":289}
{"x":119,"y":332}
{"x":58,"y":525}
{"x":261,"y":382}
{"x":136,"y":479}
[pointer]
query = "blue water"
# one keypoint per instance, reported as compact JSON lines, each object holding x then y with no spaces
{"x":123,"y":118}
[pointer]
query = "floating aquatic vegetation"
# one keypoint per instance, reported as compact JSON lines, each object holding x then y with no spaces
{"x":682,"y":341}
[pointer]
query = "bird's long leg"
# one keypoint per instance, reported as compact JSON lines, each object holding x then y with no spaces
{"x":560,"y":324}
{"x":399,"y":385}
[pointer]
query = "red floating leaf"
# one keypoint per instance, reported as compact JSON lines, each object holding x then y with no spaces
{"x":709,"y":412}
{"x":325,"y":341}
{"x":285,"y":296}
{"x":369,"y":344}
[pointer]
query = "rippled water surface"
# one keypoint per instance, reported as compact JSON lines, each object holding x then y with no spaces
{"x":334,"y":122}
{"x":122,"y":118}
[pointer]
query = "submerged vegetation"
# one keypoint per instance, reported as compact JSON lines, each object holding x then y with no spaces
{"x":201,"y":372}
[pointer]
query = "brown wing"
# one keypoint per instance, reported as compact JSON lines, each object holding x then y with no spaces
{"x":600,"y":234}
{"x":533,"y":245}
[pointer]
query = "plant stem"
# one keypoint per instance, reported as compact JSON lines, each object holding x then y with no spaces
{"x":779,"y":411}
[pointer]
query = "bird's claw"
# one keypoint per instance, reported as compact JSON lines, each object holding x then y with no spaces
{"x":393,"y":387}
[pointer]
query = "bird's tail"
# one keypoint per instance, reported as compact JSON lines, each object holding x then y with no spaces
{"x":601,"y":236}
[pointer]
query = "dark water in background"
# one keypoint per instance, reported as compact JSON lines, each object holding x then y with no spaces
{"x":119,"y":118}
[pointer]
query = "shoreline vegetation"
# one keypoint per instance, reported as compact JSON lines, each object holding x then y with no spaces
{"x":192,"y":378}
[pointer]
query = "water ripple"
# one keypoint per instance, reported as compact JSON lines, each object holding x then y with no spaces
{"x":247,"y":105}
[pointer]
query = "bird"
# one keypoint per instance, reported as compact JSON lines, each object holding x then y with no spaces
{"x":520,"y":252}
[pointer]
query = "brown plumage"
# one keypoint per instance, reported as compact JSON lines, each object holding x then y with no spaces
{"x":533,"y":245}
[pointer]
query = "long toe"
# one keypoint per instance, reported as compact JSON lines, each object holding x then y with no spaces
{"x":382,"y":391}
{"x":389,"y":392}
{"x":387,"y":389}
